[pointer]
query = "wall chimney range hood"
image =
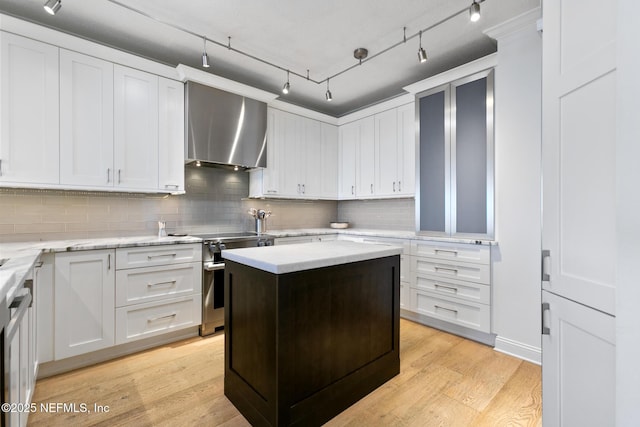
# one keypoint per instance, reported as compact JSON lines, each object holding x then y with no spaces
{"x":224,"y":129}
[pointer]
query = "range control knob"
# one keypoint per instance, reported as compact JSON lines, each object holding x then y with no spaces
{"x":222,"y":246}
{"x":262,"y":243}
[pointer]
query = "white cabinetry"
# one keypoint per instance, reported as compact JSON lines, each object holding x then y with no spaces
{"x":301,"y":159}
{"x":135,"y":129}
{"x":158,"y":290}
{"x":580,"y":229}
{"x":29,"y":136}
{"x":395,"y":152}
{"x":86,"y":120}
{"x":84,"y":302}
{"x":171,"y":135}
{"x":304,"y":239}
{"x":451,"y":287}
{"x":377,"y":155}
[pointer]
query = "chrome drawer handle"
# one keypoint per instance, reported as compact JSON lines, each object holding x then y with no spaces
{"x":170,"y":283}
{"x":438,"y":285}
{"x":168,"y":316}
{"x":176,"y":186}
{"x":446,"y":251}
{"x":161,"y":255}
{"x":446,"y":309}
{"x":453,"y":270}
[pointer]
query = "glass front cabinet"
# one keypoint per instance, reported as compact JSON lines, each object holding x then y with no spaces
{"x":454,"y":194}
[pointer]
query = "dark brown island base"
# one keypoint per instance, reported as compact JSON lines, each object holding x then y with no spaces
{"x":309,"y":329}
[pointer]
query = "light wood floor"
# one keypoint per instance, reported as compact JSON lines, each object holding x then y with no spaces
{"x":444,"y":380}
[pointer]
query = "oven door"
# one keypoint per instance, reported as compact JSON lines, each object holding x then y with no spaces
{"x":212,"y":298}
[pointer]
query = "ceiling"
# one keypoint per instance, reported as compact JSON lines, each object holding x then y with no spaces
{"x":319,"y":36}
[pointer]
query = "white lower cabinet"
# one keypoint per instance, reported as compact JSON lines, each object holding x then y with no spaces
{"x":450,"y":287}
{"x":157,"y":291}
{"x":84,"y":302}
{"x":305,"y":239}
{"x":578,"y":364}
{"x":102,"y":298}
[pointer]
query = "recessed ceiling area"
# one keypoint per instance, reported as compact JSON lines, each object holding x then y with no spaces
{"x":319,"y":36}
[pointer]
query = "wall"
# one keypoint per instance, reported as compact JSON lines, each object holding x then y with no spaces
{"x":516,"y":268}
{"x":213,"y":203}
{"x":390,"y":214}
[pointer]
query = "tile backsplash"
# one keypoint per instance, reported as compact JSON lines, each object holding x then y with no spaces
{"x":213,"y":203}
{"x":386,"y":214}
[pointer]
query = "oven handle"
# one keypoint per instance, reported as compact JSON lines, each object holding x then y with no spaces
{"x":21,"y":303}
{"x":213,"y":266}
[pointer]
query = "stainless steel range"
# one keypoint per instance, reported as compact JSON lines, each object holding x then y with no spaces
{"x":213,"y":273}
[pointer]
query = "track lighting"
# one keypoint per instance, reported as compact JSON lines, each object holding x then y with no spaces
{"x":327,"y":95}
{"x":205,"y":57}
{"x":474,"y":11}
{"x":52,"y":6}
{"x":287,"y":86}
{"x":422,"y":55}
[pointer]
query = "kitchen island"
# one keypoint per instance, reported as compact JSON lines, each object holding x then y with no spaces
{"x":309,"y":329}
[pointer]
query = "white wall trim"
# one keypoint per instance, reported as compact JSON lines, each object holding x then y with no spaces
{"x":525,"y":22}
{"x":520,"y":350}
{"x":481,"y":64}
{"x":301,"y":111}
{"x":389,"y":104}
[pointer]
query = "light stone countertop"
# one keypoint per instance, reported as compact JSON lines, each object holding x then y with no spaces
{"x":22,"y":256}
{"x":307,"y":256}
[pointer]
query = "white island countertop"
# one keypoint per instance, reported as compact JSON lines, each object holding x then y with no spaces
{"x":307,"y":256}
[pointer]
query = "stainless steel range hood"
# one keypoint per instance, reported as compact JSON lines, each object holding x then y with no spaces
{"x":224,"y":129}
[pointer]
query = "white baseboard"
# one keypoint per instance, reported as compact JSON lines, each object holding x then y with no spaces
{"x":520,"y":350}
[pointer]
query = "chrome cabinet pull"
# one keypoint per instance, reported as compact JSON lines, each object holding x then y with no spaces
{"x":169,"y":282}
{"x":108,"y":175}
{"x":176,"y":186}
{"x":445,"y":308}
{"x":453,"y":270}
{"x":298,"y":188}
{"x":371,"y":188}
{"x":438,"y":285}
{"x":161,"y":255}
{"x":304,"y":189}
{"x":446,"y":251}
{"x":119,"y":180}
{"x":108,"y":261}
{"x":546,"y":330}
{"x":353,"y":189}
{"x":546,"y":265}
{"x":168,"y":316}
{"x":399,"y":186}
{"x":394,"y":186}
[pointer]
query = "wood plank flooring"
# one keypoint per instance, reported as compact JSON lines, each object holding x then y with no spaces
{"x":444,"y":380}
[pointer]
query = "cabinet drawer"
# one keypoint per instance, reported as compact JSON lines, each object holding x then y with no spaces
{"x":451,"y":251}
{"x":464,"y":313}
{"x":144,"y":320}
{"x":480,"y":273}
{"x":148,"y":256}
{"x":138,"y":285}
{"x":468,"y":291}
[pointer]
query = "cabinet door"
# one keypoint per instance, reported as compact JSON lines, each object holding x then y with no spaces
{"x":311,"y":166}
{"x":29,"y":135}
{"x":349,"y":135}
{"x":578,"y":365}
{"x":386,"y":153}
{"x":329,"y":161}
{"x":84,"y":302}
{"x":406,"y":165}
{"x":171,"y":135}
{"x":273,"y":171}
{"x":365,"y":167}
{"x":291,"y":132}
{"x":86,"y":120}
{"x":136,"y":129}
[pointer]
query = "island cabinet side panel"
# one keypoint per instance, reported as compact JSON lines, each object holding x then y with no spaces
{"x":250,"y":342}
{"x":338,"y":337}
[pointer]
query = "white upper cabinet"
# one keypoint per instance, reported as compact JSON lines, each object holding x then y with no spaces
{"x":171,"y":135}
{"x":301,"y":159}
{"x":29,"y":127}
{"x":86,"y":120}
{"x":135,"y":129}
{"x":383,"y":163}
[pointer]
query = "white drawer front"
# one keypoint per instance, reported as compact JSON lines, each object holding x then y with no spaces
{"x":149,"y":256}
{"x":405,"y":295}
{"x":405,"y":268}
{"x":144,"y":320}
{"x":139,"y":285}
{"x":451,"y":251}
{"x":464,"y":313}
{"x":480,"y":273}
{"x":469,"y":291}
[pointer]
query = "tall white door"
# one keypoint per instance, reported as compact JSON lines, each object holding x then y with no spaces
{"x":365,"y":166}
{"x":29,"y":126}
{"x":135,"y":129}
{"x":347,"y":153}
{"x":86,"y":120}
{"x":579,"y":213}
{"x":171,"y":135}
{"x":407,"y":149}
{"x":329,"y":161}
{"x":310,"y":166}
